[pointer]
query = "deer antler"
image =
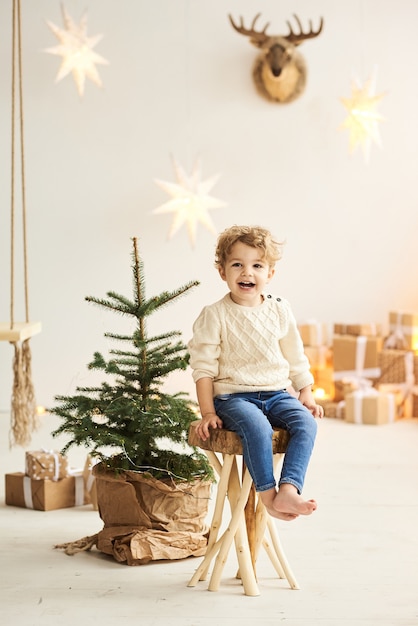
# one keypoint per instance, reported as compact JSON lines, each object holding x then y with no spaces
{"x":297,"y":38}
{"x":257,"y":37}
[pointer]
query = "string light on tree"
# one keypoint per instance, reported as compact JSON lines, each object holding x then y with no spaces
{"x":190,"y":200}
{"x":363,"y":120}
{"x":76,"y":49}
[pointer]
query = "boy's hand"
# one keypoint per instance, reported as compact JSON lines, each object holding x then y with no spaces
{"x":306,"y":397}
{"x":211,"y":420}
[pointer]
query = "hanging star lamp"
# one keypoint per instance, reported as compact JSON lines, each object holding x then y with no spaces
{"x":23,"y":405}
{"x":362,"y":121}
{"x":76,"y":49}
{"x":190,"y":201}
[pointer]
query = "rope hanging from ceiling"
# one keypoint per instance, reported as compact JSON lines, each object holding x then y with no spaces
{"x":23,"y":404}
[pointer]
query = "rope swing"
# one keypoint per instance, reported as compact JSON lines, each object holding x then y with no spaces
{"x":23,"y":404}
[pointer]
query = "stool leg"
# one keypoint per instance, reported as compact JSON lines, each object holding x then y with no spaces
{"x":246,"y":569}
{"x":224,"y":472}
{"x":260,"y":522}
{"x":275,"y":552}
{"x":281,"y":555}
{"x":219,"y":506}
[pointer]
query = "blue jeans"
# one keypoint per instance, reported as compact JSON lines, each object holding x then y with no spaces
{"x":252,"y":416}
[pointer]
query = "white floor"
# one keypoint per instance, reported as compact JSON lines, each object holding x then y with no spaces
{"x":356,"y":557}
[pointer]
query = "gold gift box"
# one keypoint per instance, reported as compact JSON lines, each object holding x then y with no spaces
{"x":395,"y":366}
{"x":406,"y":326}
{"x":45,"y":495}
{"x":319,"y":357}
{"x":358,"y":329}
{"x":313,"y":333}
{"x":374,"y":409}
{"x":46,"y":464}
{"x":332,"y":408}
{"x":346,"y":351}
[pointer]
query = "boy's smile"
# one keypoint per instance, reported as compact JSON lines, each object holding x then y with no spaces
{"x":246,"y":273}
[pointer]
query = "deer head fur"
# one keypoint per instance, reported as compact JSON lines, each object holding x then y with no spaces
{"x":279,"y":70}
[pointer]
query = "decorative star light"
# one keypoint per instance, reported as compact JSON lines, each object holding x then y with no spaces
{"x":76,"y":48}
{"x":190,"y":200}
{"x":363,"y":120}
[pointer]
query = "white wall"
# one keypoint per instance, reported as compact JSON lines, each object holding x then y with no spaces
{"x":179,"y":82}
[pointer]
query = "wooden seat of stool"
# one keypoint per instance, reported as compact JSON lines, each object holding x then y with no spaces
{"x":249,"y":518}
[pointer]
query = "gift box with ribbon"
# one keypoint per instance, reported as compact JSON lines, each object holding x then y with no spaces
{"x":397,"y":377}
{"x":45,"y":495}
{"x":369,"y":406}
{"x":372,"y":329}
{"x":319,"y":357}
{"x":403,"y":331}
{"x":46,"y":464}
{"x":356,"y":358}
{"x":313,"y":333}
{"x":90,"y":480}
{"x":332,"y":408}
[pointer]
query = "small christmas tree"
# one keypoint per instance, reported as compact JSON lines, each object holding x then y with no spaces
{"x":144,"y":428}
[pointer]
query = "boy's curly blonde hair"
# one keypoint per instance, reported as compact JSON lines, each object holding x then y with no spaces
{"x":254,"y":236}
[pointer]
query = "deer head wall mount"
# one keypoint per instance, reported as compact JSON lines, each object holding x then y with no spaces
{"x":279,"y":70}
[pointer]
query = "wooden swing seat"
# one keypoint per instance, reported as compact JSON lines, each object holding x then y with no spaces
{"x":19,"y":331}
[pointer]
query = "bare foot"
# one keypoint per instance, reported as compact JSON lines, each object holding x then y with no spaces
{"x":268,"y":497}
{"x":289,"y":502}
{"x":287,"y":517}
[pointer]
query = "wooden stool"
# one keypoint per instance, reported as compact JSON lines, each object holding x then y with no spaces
{"x":249,"y":518}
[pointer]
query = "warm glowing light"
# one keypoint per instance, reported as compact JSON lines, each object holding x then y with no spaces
{"x":76,"y":48}
{"x":190,"y":201}
{"x":319,"y":394}
{"x":363,"y":120}
{"x":40,"y":410}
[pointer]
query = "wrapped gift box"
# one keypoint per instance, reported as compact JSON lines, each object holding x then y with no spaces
{"x":319,"y":357}
{"x":403,"y":397}
{"x":358,"y":329}
{"x":90,"y":480}
{"x":356,"y":357}
{"x":370,"y":407}
{"x":415,"y":405}
{"x":46,"y":464}
{"x":396,"y":366}
{"x":404,"y":328}
{"x":45,"y":495}
{"x":313,"y":333}
{"x":332,"y":408}
{"x":343,"y":388}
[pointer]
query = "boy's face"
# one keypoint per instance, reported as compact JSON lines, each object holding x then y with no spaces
{"x":246,"y":274}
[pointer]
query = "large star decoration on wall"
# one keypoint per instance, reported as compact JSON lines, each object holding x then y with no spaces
{"x":190,"y":200}
{"x":362,"y":120}
{"x":76,"y":48}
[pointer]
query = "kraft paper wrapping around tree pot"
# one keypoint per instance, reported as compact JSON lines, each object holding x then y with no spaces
{"x":147,"y":519}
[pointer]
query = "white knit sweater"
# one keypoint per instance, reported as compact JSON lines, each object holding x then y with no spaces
{"x":249,"y":348}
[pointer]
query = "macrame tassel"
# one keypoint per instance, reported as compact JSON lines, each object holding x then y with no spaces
{"x":23,"y":410}
{"x":81,"y":545}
